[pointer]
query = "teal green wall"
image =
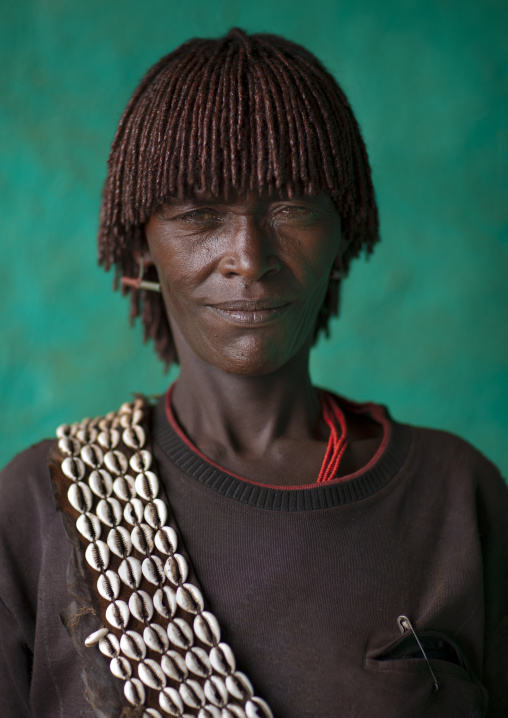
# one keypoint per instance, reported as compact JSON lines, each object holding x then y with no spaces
{"x":424,"y":323}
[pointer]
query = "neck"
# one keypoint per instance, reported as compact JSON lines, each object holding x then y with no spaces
{"x":247,"y":415}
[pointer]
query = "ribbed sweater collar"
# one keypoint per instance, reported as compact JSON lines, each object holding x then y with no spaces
{"x":378,"y":472}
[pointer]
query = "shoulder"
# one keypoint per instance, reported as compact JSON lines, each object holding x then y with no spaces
{"x":434,"y":452}
{"x":447,"y":471}
{"x":446,"y":453}
{"x":25,"y":479}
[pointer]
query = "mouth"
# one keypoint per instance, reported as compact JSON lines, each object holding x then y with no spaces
{"x":250,"y":312}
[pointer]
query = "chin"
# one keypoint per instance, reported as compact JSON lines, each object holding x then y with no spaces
{"x":252,"y":358}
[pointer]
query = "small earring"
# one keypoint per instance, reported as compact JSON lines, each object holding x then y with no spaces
{"x":337,"y":274}
{"x":139,"y":282}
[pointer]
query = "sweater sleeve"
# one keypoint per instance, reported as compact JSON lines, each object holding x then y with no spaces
{"x":24,"y":504}
{"x":493,"y":528}
{"x":40,"y":671}
{"x":15,"y":667}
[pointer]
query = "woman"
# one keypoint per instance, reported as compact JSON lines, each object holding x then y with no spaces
{"x":250,"y":545}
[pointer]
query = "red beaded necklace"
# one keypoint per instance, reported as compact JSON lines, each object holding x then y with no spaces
{"x":337,"y":442}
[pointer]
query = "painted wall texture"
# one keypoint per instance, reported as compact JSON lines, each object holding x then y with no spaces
{"x":424,"y":322}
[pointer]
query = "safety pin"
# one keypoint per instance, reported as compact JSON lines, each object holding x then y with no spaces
{"x":405,"y":625}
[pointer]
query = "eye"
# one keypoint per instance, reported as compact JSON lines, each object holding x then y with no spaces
{"x":292,"y":210}
{"x":199,"y":216}
{"x":296,"y":214}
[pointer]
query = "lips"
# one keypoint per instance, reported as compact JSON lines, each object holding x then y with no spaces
{"x":245,"y":312}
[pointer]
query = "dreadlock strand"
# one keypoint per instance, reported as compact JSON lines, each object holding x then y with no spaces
{"x":292,"y":113}
{"x":194,"y":129}
{"x":215,"y":148}
{"x":271,"y":164}
{"x":183,"y":140}
{"x":226,"y":119}
{"x":243,"y":114}
{"x":209,"y":178}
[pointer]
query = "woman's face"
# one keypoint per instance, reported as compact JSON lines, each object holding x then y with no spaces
{"x":244,"y":279}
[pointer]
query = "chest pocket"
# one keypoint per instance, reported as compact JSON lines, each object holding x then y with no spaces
{"x":406,"y":681}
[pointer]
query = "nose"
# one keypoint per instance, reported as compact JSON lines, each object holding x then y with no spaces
{"x":250,"y":251}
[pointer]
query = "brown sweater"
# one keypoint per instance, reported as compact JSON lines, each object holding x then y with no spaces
{"x":306,"y":583}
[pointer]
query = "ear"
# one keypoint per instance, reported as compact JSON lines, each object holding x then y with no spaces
{"x":338,"y":268}
{"x":143,"y":257}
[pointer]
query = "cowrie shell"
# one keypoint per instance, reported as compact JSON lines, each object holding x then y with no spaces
{"x":258,"y":708}
{"x":69,"y":446}
{"x":134,"y":416}
{"x":135,"y":692}
{"x":130,"y":572}
{"x":80,"y":497}
{"x":97,"y":555}
{"x":120,"y":668}
{"x":239,"y":686}
{"x":174,"y":666}
{"x":92,"y":455}
{"x":152,"y":674}
{"x":156,"y":513}
{"x":141,"y":606}
{"x":164,"y":602}
{"x":151,"y":713}
{"x":96,"y":636}
{"x":180,"y":633}
{"x":176,"y":568}
{"x":209,"y":711}
{"x":216,"y":691}
{"x":134,"y":437}
{"x":109,"y":645}
{"x":133,"y":646}
{"x":197,"y":662}
{"x":117,"y":614}
{"x":116,"y":462}
{"x":233,"y":711}
{"x":166,"y":540}
{"x":140,"y":461}
{"x":87,"y":435}
{"x":133,"y":512}
{"x":108,"y":585}
{"x":63,"y":431}
{"x":73,"y":468}
{"x":108,"y":439}
{"x":190,"y":598}
{"x":109,"y":511}
{"x":142,"y":538}
{"x":101,"y":483}
{"x":119,"y":541}
{"x":206,"y":628}
{"x":123,"y":486}
{"x":147,"y":485}
{"x":222,"y":659}
{"x":104,"y":423}
{"x":171,"y":702}
{"x":89,"y":526}
{"x":153,"y":570}
{"x":156,"y":638}
{"x":192,"y":693}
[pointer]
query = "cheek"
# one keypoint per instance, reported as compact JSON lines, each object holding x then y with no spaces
{"x":179,"y":274}
{"x":312,"y":262}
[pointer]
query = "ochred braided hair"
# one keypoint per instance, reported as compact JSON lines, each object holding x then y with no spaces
{"x":244,"y":112}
